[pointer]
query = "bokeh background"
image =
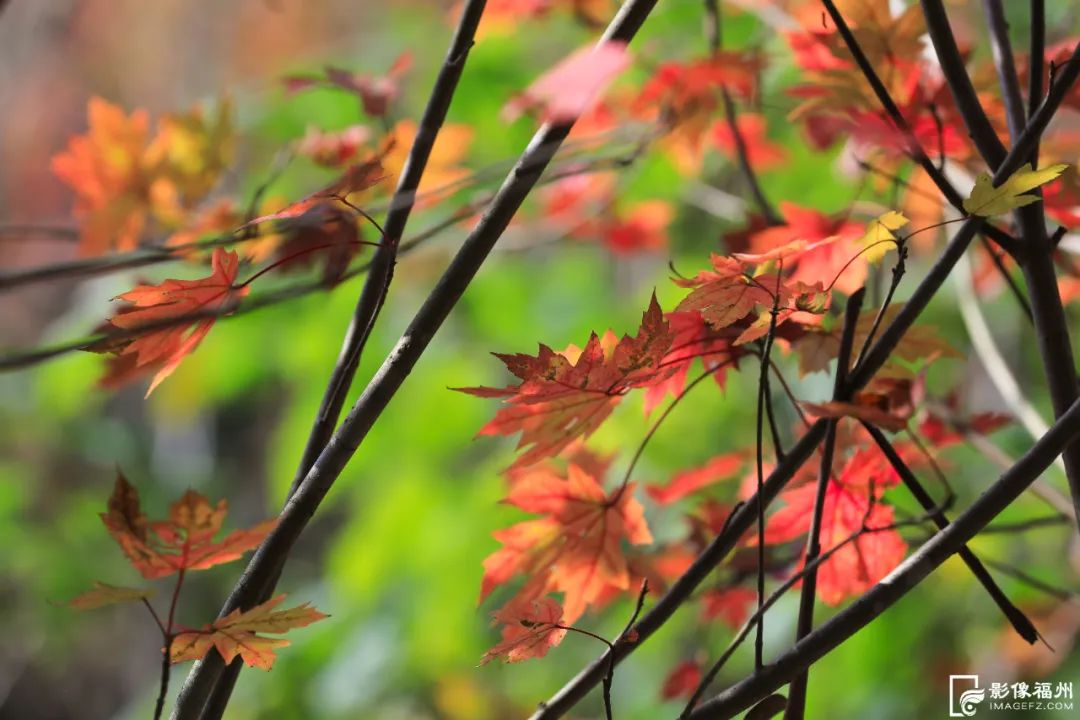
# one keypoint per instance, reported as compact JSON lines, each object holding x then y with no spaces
{"x":395,"y":553}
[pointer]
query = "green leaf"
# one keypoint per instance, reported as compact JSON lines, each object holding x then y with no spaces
{"x":987,"y":200}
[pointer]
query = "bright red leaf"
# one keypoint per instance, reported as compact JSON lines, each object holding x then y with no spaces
{"x":162,"y":349}
{"x":852,"y":501}
{"x":721,"y":467}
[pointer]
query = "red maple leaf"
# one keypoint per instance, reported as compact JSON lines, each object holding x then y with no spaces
{"x":565,"y":396}
{"x":575,"y":547}
{"x":530,"y":629}
{"x":852,"y":502}
{"x":732,"y":605}
{"x":185,"y":541}
{"x":693,"y":339}
{"x":375,"y":92}
{"x":569,"y":88}
{"x":682,"y":681}
{"x":721,"y":467}
{"x":162,"y":349}
{"x":642,"y":227}
{"x":733,"y":293}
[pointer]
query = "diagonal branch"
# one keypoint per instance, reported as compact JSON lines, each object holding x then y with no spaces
{"x":908,"y":575}
{"x":298,"y":511}
{"x":1015,"y":616}
{"x":371,"y":300}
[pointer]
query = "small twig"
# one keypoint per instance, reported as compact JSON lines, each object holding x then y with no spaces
{"x":166,"y":652}
{"x":742,"y":154}
{"x":1018,"y":574}
{"x":796,"y":706}
{"x":1022,"y":526}
{"x":659,"y":420}
{"x":897,"y":275}
{"x":763,"y":371}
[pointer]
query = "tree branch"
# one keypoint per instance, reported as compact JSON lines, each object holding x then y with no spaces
{"x":263,"y":566}
{"x":967,"y":101}
{"x":1036,"y":65}
{"x":742,"y":154}
{"x":1013,"y":614}
{"x":916,"y":149}
{"x":905,"y":577}
{"x":1015,"y":114}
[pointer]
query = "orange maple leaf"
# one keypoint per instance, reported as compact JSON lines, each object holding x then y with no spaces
{"x":530,"y":629}
{"x":238,"y":634}
{"x":575,"y":548}
{"x":565,"y":396}
{"x":108,"y":171}
{"x":183,"y":542}
{"x":123,"y":178}
{"x":443,"y":169}
{"x":162,"y":348}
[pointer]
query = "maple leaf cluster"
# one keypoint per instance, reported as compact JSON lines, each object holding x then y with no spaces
{"x":182,"y":543}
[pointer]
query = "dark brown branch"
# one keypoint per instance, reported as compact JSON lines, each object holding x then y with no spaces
{"x":1015,"y":114}
{"x":916,"y":149}
{"x":797,"y":692}
{"x":1036,"y":66}
{"x":369,"y":305}
{"x":743,"y":518}
{"x":978,"y":124}
{"x":1013,"y":614}
{"x":1051,"y":325}
{"x":904,"y":578}
{"x":742,"y":154}
{"x":298,"y":511}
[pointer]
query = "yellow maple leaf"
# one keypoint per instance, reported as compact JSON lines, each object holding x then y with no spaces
{"x":237,"y":634}
{"x":986,"y":200}
{"x":879,"y":234}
